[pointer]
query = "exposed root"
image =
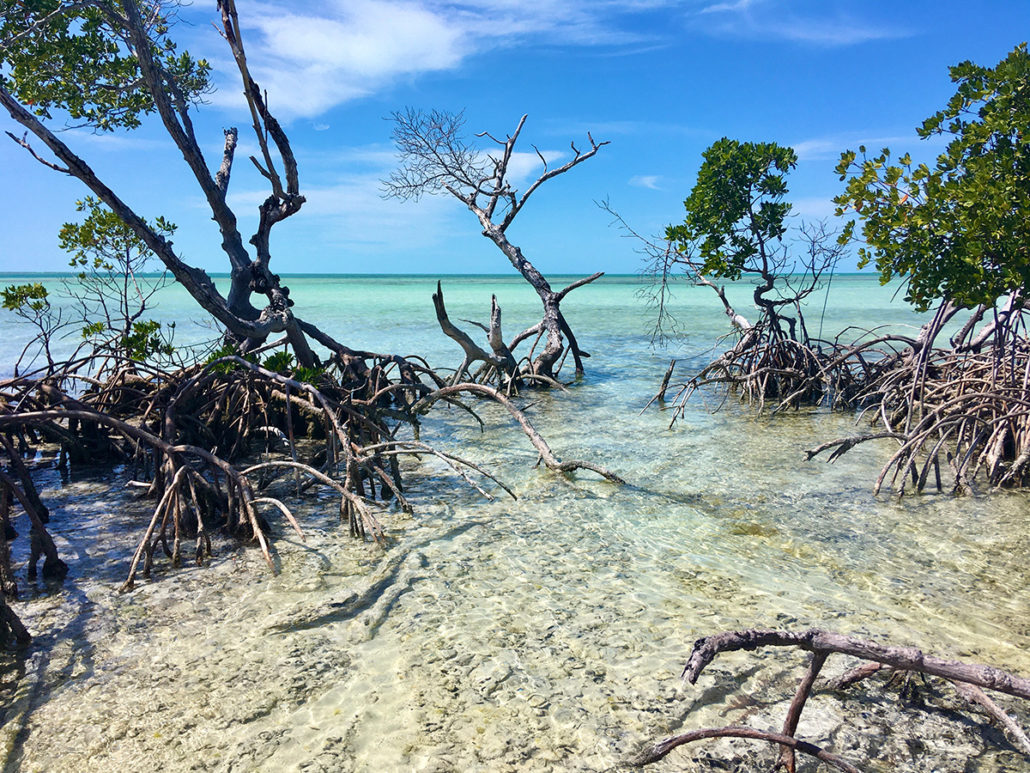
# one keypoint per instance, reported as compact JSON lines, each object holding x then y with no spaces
{"x":961,"y":413}
{"x":180,"y":433}
{"x":499,"y":366}
{"x":183,"y":435}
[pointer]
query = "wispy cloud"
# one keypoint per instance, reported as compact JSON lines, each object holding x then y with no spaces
{"x":312,"y":56}
{"x":813,"y":208}
{"x":114,"y":142}
{"x":649,"y":181}
{"x":822,"y":23}
{"x":830,"y":147}
{"x":818,"y":149}
{"x":740,"y":5}
{"x":607,"y":129}
{"x":351,"y":211}
{"x":345,"y":202}
{"x":524,"y":167}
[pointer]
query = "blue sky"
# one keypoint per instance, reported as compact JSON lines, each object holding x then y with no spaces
{"x":660,"y":80}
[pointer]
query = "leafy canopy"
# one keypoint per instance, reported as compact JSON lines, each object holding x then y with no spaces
{"x":78,"y":57}
{"x":959,"y":229}
{"x":104,"y":242}
{"x":112,"y":291}
{"x":736,"y":208}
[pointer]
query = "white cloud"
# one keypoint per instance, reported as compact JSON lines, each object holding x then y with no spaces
{"x":840,"y":31}
{"x":311,"y":59}
{"x":824,"y":23}
{"x":311,"y":56}
{"x":576,"y":22}
{"x":352,"y":211}
{"x":371,"y":39}
{"x":524,"y":167}
{"x":740,"y":5}
{"x":645,"y":181}
{"x":817,"y":149}
{"x":114,"y":142}
{"x":379,"y":158}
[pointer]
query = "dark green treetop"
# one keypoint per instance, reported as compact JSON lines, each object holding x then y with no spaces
{"x":81,"y":58}
{"x":959,"y":229}
{"x":736,"y":212}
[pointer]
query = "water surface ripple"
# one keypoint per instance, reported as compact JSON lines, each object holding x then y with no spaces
{"x":539,"y":634}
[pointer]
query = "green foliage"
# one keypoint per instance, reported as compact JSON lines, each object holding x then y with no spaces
{"x":280,"y":362}
{"x":25,"y":299}
{"x":71,"y":56}
{"x":111,"y":293}
{"x":103,"y":241}
{"x":227,"y":350}
{"x":309,"y":375}
{"x":93,"y":329}
{"x":736,"y":208}
{"x":144,"y":340}
{"x":31,"y":302}
{"x":284,"y":363}
{"x":959,"y":229}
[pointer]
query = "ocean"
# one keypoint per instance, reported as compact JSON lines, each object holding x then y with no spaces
{"x":543,"y":633}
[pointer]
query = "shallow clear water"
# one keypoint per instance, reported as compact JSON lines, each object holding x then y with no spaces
{"x":537,"y":634}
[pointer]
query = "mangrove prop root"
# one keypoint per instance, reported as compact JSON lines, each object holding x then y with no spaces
{"x":182,"y":433}
{"x":962,"y":408}
{"x":8,"y":584}
{"x":41,"y":543}
{"x":968,"y":679}
{"x":12,"y":630}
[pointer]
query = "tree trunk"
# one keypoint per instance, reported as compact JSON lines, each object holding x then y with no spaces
{"x":554,"y":344}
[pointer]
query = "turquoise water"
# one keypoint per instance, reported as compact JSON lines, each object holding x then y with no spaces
{"x":395,"y":313}
{"x":539,"y":634}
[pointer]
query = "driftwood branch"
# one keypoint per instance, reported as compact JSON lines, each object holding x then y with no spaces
{"x":816,"y":640}
{"x":968,"y":679}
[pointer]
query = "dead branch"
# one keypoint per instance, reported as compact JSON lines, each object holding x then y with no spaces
{"x":975,"y":695}
{"x":473,"y":352}
{"x":550,"y":460}
{"x":660,"y":749}
{"x":435,"y":158}
{"x":968,"y":678}
{"x":816,"y":640}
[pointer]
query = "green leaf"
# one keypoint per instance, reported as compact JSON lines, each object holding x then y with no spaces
{"x":957,"y":229}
